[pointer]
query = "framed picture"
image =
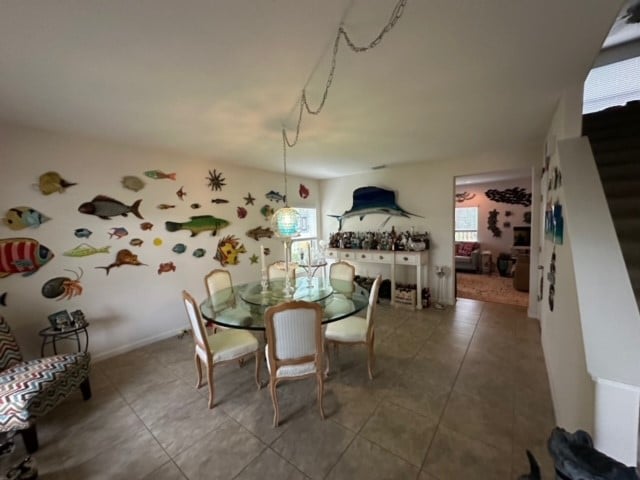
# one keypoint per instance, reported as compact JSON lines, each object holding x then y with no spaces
{"x":60,"y":320}
{"x":77,"y":317}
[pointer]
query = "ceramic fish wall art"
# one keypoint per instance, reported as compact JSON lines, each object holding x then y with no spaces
{"x":18,"y":218}
{"x":132,"y":182}
{"x":123,"y":257}
{"x":136,"y":242}
{"x":106,"y":207}
{"x":228,"y":250}
{"x":370,"y":200}
{"x":82,"y":232}
{"x":118,"y":232}
{"x":267,"y":211}
{"x":195,"y":206}
{"x":51,"y":182}
{"x":179,"y":248}
{"x":22,"y":255}
{"x":165,"y":206}
{"x":219,"y":200}
{"x":166,"y":267}
{"x":275,"y":196}
{"x":260,"y":232}
{"x":199,"y":252}
{"x":303,"y":191}
{"x":146,"y":225}
{"x":84,"y":250}
{"x":241,"y":212}
{"x":3,"y":299}
{"x":63,"y":287}
{"x":215,"y":180}
{"x":159,"y":175}
{"x":198,"y":224}
{"x":181,"y":193}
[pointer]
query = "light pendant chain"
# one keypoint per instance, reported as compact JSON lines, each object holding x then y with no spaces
{"x":303,"y":104}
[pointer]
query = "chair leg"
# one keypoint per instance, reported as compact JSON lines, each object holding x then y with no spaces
{"x":320,"y":376}
{"x":274,"y":400}
{"x":211,"y":387}
{"x":258,"y":365}
{"x":30,"y":439}
{"x":371,"y":359}
{"x":198,"y":371}
{"x":85,"y":388}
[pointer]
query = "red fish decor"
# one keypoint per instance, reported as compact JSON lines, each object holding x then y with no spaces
{"x":22,"y":255}
{"x":303,"y":191}
{"x":228,"y":251}
{"x":106,"y":207}
{"x":166,"y":267}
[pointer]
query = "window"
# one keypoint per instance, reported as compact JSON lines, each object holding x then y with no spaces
{"x":466,"y":224}
{"x":610,"y":85}
{"x":308,"y":234}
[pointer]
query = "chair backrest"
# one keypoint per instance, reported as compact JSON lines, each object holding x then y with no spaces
{"x":197,"y":326}
{"x":9,"y":350}
{"x":220,"y":289}
{"x":341,"y":276}
{"x":294,"y":333}
{"x":277,"y":271}
{"x":373,"y":301}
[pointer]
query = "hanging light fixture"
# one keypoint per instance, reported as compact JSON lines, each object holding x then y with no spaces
{"x":286,"y":220}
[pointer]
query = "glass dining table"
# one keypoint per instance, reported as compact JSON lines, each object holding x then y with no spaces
{"x":339,"y":299}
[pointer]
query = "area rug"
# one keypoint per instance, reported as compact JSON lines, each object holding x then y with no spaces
{"x":490,"y":288}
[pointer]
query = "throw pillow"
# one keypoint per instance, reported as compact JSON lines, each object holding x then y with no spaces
{"x":466,"y":248}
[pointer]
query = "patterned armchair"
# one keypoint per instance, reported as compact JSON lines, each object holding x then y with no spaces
{"x":31,"y":389}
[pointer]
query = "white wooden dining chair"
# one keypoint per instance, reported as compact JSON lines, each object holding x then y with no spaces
{"x":355,"y":330}
{"x":277,"y":271}
{"x":295,"y":348}
{"x":341,"y":277}
{"x":218,"y":348}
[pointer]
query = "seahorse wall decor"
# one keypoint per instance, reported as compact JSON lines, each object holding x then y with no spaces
{"x":513,"y":196}
{"x":492,"y":223}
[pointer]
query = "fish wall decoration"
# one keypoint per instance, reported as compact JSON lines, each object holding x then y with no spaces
{"x":198,"y":224}
{"x":267,"y":211}
{"x":105,"y":207}
{"x":136,"y":242}
{"x":181,"y":193}
{"x":84,"y":250}
{"x":219,"y":200}
{"x":260,"y":232}
{"x":146,"y":226}
{"x":18,"y":218}
{"x":228,"y":250}
{"x":199,"y":252}
{"x":275,"y":196}
{"x":63,"y":287}
{"x":159,"y":175}
{"x":165,"y":206}
{"x":373,"y":200}
{"x":132,"y":182}
{"x":118,"y":232}
{"x":51,"y":182}
{"x":123,"y":257}
{"x":179,"y":248}
{"x":82,"y":232}
{"x":166,"y":267}
{"x":22,"y":255}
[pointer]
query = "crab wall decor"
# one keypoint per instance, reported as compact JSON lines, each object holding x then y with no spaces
{"x":63,"y":287}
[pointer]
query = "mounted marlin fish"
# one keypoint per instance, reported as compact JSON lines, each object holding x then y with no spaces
{"x":369,"y":200}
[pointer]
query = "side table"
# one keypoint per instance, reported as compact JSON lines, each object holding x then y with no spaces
{"x":51,"y":335}
{"x":486,"y":261}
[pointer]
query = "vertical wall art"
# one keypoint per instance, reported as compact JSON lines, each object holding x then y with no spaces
{"x":492,"y":223}
{"x":513,"y":196}
{"x":551,"y":276}
{"x":554,"y":223}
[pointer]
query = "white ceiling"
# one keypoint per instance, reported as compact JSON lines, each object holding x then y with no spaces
{"x":217,"y":78}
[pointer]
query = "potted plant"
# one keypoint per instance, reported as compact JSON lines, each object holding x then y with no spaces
{"x":503,"y":263}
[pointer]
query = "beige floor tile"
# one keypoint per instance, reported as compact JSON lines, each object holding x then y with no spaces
{"x":270,"y":465}
{"x":455,"y":456}
{"x":487,"y":383}
{"x":168,"y":471}
{"x":400,"y":431}
{"x":161,"y":398}
{"x":313,"y":445}
{"x":420,"y":396}
{"x":366,"y":460}
{"x":520,"y":464}
{"x":220,"y":455}
{"x":350,"y":406}
{"x":481,"y":421}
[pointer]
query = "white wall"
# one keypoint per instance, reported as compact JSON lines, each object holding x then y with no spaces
{"x":132,"y":305}
{"x":426,"y":189}
{"x":486,"y":238}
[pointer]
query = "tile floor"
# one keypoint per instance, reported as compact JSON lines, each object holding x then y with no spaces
{"x":458,"y":394}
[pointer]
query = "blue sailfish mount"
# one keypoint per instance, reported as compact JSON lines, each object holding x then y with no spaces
{"x":369,"y":200}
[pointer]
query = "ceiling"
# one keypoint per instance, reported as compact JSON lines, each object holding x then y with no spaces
{"x":217,"y":79}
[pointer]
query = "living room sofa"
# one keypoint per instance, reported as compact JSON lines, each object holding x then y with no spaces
{"x":468,"y":257}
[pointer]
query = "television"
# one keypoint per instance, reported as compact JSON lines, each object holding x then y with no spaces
{"x":521,"y":236}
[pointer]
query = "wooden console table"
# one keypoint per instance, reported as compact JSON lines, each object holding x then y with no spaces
{"x":386,"y":257}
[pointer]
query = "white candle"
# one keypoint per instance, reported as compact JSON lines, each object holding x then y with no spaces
{"x":309,"y":253}
{"x":263,"y":264}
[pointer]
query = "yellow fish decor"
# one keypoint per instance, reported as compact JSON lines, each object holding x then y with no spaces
{"x":123,"y":257}
{"x":18,"y":218}
{"x":84,"y":250}
{"x":51,"y":182}
{"x":197,"y":224}
{"x":228,"y":250}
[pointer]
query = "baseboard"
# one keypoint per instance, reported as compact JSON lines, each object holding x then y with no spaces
{"x":132,"y":346}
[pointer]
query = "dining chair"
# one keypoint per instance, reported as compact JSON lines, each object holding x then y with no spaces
{"x":355,"y":330}
{"x":223,"y":300}
{"x":295,"y":348}
{"x":219,"y":347}
{"x":277,"y":271}
{"x":341,"y":277}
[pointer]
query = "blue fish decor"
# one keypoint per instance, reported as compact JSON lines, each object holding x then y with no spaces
{"x":18,"y":218}
{"x":370,"y":200}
